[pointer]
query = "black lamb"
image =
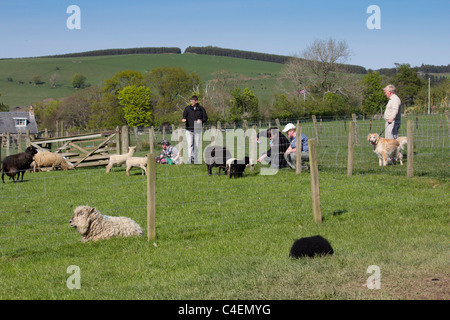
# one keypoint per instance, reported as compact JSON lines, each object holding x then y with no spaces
{"x":310,"y":247}
{"x":236,"y":168}
{"x":18,"y":163}
{"x":216,"y":156}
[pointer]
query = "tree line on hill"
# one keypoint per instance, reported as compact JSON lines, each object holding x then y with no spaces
{"x":113,"y":52}
{"x":242,"y":54}
{"x":312,"y":84}
{"x":208,"y":50}
{"x":423,"y":69}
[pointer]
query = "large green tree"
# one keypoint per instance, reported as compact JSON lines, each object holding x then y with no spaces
{"x":137,"y":105}
{"x":75,"y":110}
{"x":108,"y":113}
{"x":407,"y":83}
{"x":244,"y":105}
{"x":373,"y":95}
{"x":173,"y":86}
{"x":47,"y":114}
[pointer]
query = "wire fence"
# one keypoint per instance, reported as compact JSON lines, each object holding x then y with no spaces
{"x":34,"y":214}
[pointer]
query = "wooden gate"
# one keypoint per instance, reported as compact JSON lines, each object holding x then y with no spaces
{"x":83,"y":150}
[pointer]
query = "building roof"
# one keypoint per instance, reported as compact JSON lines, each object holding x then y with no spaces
{"x":8,"y":122}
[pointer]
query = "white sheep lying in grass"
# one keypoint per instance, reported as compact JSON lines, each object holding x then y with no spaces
{"x":140,"y":162}
{"x":50,"y":159}
{"x":93,"y":226}
{"x":120,"y":158}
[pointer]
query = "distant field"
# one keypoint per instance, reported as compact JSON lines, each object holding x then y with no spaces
{"x":259,"y":76}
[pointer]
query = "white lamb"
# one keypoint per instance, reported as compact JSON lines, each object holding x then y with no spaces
{"x":140,"y":162}
{"x":120,"y":158}
{"x":50,"y":159}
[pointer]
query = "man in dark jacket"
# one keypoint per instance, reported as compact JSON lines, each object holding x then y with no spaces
{"x":194,"y":116}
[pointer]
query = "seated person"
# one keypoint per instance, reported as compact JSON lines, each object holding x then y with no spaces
{"x":291,"y":152}
{"x":278,"y":146}
{"x":169,"y":153}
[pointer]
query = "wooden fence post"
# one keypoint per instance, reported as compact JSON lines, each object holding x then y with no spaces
{"x":118,"y":140}
{"x":125,"y":139}
{"x":410,"y":134}
{"x":355,"y":129}
{"x":27,"y":138}
{"x":8,"y":145}
{"x":351,"y":137}
{"x":315,"y":192}
{"x":151,"y":138}
{"x":151,"y":196}
{"x":298,"y":146}
{"x":315,"y":129}
{"x":19,"y":142}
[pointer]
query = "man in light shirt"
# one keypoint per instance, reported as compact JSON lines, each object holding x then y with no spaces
{"x":393,"y":113}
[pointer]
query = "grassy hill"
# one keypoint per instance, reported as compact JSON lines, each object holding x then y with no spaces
{"x":18,"y":88}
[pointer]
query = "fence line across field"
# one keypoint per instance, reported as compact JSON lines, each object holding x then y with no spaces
{"x":165,"y":195}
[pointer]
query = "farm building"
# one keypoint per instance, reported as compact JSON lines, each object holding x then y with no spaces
{"x":16,"y":123}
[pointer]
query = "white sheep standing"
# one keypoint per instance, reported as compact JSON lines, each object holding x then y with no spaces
{"x":50,"y":159}
{"x":120,"y":158}
{"x":140,"y":162}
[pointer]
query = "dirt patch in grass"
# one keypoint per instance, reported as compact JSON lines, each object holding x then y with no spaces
{"x":420,"y":287}
{"x":423,"y":288}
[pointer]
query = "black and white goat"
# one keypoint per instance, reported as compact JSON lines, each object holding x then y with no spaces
{"x":18,"y":163}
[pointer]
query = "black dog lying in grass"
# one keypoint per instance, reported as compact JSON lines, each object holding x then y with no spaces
{"x":310,"y":247}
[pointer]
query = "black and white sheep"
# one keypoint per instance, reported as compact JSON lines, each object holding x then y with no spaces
{"x":235,"y":167}
{"x":18,"y":163}
{"x":216,"y":156}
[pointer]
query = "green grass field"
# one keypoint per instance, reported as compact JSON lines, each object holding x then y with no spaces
{"x":257,"y":75}
{"x":221,"y":238}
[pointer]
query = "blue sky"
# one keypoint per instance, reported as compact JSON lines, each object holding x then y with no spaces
{"x":413,"y":31}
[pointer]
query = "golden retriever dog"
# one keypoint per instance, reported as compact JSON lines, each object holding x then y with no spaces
{"x":386,"y":149}
{"x":403,"y":141}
